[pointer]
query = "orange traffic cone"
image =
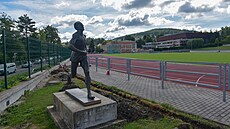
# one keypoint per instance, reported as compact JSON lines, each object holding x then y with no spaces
{"x":107,"y":72}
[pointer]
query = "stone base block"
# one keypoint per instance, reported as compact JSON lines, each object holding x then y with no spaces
{"x":77,"y":116}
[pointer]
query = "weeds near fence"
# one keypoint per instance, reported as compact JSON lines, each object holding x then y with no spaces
{"x":13,"y":80}
{"x":45,"y":67}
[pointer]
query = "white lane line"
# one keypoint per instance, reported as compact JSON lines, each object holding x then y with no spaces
{"x":199,"y":79}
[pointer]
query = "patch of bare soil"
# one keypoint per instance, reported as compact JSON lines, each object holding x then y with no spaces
{"x":130,"y":110}
{"x":62,"y":68}
{"x":69,"y":86}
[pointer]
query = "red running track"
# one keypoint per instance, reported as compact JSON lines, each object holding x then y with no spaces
{"x":206,"y":75}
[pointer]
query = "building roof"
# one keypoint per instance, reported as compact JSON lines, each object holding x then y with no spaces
{"x":187,"y":35}
{"x":123,"y":42}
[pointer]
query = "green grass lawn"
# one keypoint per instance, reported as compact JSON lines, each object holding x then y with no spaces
{"x":164,"y":123}
{"x":215,"y":48}
{"x":184,"y":57}
{"x":32,"y":111}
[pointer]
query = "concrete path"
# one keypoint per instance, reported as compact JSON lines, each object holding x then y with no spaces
{"x":204,"y":102}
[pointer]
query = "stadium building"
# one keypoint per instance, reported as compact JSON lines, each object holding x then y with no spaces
{"x":180,"y":39}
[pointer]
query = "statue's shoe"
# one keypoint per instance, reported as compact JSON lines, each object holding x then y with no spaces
{"x":91,"y":97}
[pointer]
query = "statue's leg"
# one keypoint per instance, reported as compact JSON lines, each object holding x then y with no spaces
{"x":85,"y":66}
{"x":73,"y":69}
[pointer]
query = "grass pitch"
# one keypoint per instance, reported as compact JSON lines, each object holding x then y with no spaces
{"x":215,"y":48}
{"x":182,"y":57}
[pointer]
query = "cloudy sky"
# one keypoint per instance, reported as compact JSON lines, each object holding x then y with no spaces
{"x":113,"y":18}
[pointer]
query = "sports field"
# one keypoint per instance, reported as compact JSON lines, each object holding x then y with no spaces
{"x":215,"y":48}
{"x":184,"y":57}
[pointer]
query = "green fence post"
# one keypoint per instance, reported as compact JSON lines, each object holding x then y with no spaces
{"x":41,"y":55}
{"x":57,"y":55}
{"x":53,"y":54}
{"x":61,"y":54}
{"x":28,"y":55}
{"x":4,"y":57}
{"x":48,"y":53}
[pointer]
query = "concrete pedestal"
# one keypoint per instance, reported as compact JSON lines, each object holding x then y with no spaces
{"x":77,"y":116}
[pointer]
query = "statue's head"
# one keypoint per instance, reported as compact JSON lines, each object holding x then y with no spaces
{"x":78,"y":26}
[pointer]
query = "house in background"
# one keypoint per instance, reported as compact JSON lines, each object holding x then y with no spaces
{"x":120,"y":47}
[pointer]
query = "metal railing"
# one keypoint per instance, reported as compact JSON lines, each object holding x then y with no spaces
{"x":18,"y":50}
{"x":202,"y":74}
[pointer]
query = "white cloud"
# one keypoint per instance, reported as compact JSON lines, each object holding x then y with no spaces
{"x":62,"y":5}
{"x":116,"y":4}
{"x":193,"y":16}
{"x":63,"y":26}
{"x":108,"y":35}
{"x":156,"y":21}
{"x":17,"y":13}
{"x":209,"y":3}
{"x":68,"y":20}
{"x":40,"y":24}
{"x":220,"y":10}
{"x":172,"y":8}
{"x":125,"y":4}
{"x":65,"y":37}
{"x":63,"y":22}
{"x":228,"y":9}
{"x":139,"y":18}
{"x":114,"y":29}
{"x":89,"y":34}
{"x":95,"y":19}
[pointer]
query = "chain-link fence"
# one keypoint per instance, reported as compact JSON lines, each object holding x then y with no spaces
{"x":21,"y":57}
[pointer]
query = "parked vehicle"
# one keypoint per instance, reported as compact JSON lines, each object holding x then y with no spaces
{"x":10,"y":68}
{"x":38,"y":61}
{"x":26,"y":64}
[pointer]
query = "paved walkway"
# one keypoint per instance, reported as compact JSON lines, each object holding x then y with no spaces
{"x":199,"y":101}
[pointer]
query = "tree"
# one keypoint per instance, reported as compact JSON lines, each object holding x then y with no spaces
{"x":147,"y":38}
{"x":225,"y":35}
{"x":26,"y":25}
{"x":140,"y":42}
{"x":15,"y":48}
{"x":226,"y":40}
{"x":195,"y":43}
{"x":106,"y":41}
{"x":91,"y":46}
{"x":41,"y":34}
{"x":52,"y":35}
{"x":129,"y":37}
{"x":6,"y":22}
{"x":225,"y":31}
{"x":99,"y":49}
{"x":99,"y":40}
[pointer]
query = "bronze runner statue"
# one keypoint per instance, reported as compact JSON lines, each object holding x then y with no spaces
{"x":79,"y":55}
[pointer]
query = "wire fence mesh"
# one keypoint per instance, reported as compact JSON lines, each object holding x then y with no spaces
{"x":25,"y":56}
